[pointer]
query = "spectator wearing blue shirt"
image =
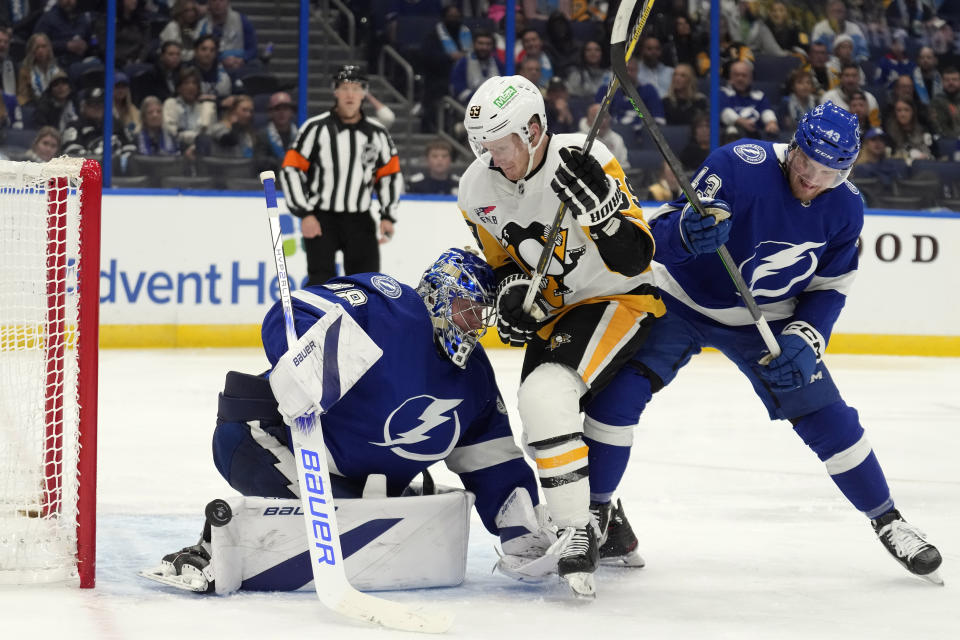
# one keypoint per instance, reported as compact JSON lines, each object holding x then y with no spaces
{"x":835,"y":24}
{"x":69,"y":30}
{"x":745,"y":111}
{"x":471,"y":70}
{"x":236,"y":37}
{"x":895,"y":62}
{"x":622,"y":111}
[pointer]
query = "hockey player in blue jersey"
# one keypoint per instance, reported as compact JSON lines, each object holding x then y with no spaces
{"x":431,"y":396}
{"x":791,"y":221}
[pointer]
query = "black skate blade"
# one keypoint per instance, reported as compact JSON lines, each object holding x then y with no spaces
{"x":632,"y":560}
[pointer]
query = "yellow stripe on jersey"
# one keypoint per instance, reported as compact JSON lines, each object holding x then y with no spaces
{"x":621,"y":325}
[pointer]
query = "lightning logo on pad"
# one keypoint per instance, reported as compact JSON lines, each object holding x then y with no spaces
{"x":422,"y":428}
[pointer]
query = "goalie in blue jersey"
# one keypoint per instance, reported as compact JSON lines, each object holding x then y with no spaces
{"x":791,"y":221}
{"x":431,"y":396}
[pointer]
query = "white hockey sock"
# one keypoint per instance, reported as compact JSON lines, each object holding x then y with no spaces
{"x":549,"y":405}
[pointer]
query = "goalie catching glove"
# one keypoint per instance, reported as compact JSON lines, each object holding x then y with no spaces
{"x":706,"y":233}
{"x":801,"y":349}
{"x":587,"y":191}
{"x":515,"y":326}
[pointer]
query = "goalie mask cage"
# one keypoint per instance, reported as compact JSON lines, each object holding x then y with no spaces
{"x":49,"y":296}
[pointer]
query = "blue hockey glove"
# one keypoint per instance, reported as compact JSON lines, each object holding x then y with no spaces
{"x":801,"y":349}
{"x":588,"y":192}
{"x":513,"y":325}
{"x":705,"y":234}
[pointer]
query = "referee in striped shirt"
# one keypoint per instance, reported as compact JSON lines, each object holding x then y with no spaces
{"x":328,"y":177}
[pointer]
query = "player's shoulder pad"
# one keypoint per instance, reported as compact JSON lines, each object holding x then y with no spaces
{"x":379,"y":284}
{"x":476,"y":173}
{"x":749,"y":153}
{"x":597,"y":149}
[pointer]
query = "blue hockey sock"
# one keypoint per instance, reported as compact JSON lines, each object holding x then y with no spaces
{"x":607,"y":466}
{"x":835,"y":435}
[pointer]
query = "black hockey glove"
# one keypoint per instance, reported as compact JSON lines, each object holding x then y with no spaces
{"x":580,"y":182}
{"x":515,"y":326}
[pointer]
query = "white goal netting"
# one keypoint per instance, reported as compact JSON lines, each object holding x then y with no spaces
{"x":42,"y":211}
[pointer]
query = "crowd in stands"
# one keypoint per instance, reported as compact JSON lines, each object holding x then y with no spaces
{"x":894,"y":64}
{"x":178,"y":85}
{"x":180,"y":68}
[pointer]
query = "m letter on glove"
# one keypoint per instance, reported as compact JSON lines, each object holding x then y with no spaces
{"x":322,"y":366}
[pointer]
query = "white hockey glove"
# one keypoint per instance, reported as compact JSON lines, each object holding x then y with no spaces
{"x":514,"y":326}
{"x":314,"y":373}
{"x":590,"y":194}
{"x":528,"y":550}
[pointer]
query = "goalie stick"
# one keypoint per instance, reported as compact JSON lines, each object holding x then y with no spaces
{"x":618,"y":64}
{"x":313,"y":476}
{"x":625,"y":11}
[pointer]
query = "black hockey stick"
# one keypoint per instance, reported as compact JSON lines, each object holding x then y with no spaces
{"x":624,"y":12}
{"x":619,"y":65}
{"x":313,"y":477}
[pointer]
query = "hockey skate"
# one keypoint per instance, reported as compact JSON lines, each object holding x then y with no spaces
{"x":191,"y":568}
{"x":908,"y":545}
{"x":618,"y":543}
{"x":579,"y":557}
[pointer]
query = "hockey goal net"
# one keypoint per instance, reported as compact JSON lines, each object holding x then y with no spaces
{"x":49,"y":282}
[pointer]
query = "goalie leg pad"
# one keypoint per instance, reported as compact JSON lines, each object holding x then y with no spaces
{"x":388,"y":543}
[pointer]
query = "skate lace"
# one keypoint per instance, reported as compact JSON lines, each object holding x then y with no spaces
{"x":906,"y":539}
{"x":578,"y":545}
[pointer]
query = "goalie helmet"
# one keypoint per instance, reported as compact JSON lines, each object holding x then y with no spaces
{"x":458,"y":275}
{"x":503,"y":105}
{"x":830,"y":135}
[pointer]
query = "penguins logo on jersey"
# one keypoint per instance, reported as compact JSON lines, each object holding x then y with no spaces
{"x":559,"y":339}
{"x":775,"y":267}
{"x":422,"y":428}
{"x":525,"y":245}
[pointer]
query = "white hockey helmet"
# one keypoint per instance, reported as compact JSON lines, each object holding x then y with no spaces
{"x":503,"y":105}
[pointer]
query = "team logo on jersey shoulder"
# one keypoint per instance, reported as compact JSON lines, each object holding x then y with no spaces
{"x":387,"y":286}
{"x":852,"y":187}
{"x":751,"y":153}
{"x":423,"y":428}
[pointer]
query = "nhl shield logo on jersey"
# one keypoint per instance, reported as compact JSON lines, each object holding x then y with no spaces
{"x":422,"y":428}
{"x":750,"y":153}
{"x":387,"y":286}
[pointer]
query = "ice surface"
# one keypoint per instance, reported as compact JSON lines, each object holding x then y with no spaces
{"x":743,"y":533}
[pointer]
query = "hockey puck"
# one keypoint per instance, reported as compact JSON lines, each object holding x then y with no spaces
{"x":218,"y":512}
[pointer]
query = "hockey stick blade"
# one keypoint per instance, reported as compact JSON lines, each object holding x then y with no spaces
{"x":625,"y":11}
{"x":316,"y":495}
{"x":619,"y":67}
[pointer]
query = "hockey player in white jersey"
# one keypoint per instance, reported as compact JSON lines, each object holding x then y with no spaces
{"x":791,"y":222}
{"x":592,"y":312}
{"x":430,"y":396}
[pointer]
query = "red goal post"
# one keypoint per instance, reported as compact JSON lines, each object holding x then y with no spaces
{"x":49,"y":314}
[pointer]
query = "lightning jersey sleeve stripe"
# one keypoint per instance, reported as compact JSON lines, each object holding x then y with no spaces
{"x":473,"y":457}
